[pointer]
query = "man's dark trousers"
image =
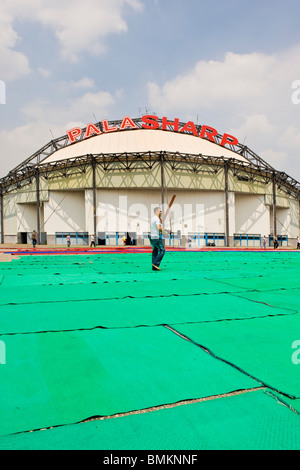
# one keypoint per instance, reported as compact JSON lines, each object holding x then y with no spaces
{"x":158,"y":250}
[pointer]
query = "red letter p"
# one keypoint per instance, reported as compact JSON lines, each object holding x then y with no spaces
{"x":229,"y":139}
{"x":73,"y":133}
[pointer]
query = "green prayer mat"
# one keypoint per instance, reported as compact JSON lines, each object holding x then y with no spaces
{"x":83,"y":336}
{"x":129,"y":312}
{"x":251,"y":421}
{"x":60,"y":378}
{"x":261,"y":347}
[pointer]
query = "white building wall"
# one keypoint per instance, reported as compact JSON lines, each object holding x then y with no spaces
{"x":131,"y":210}
{"x":10,"y":216}
{"x":125,"y":210}
{"x":294,"y":227}
{"x":26,"y":217}
{"x":64,"y":212}
{"x":283,"y":221}
{"x":251,"y":214}
{"x":214,"y":211}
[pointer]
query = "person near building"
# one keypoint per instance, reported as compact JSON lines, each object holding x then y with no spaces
{"x":68,"y":241}
{"x":34,"y":238}
{"x":156,"y":239}
{"x":92,"y":241}
{"x":298,"y":242}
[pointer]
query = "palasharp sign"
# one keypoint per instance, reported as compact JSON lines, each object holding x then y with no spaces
{"x":151,"y":122}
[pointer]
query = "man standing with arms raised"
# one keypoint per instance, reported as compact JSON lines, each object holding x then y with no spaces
{"x":156,"y":239}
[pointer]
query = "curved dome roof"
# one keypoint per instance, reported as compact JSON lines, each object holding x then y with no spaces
{"x":140,"y":141}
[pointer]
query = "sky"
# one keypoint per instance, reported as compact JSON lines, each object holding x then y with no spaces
{"x":233,"y":65}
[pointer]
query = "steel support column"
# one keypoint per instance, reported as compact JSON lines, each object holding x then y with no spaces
{"x":38,"y":216}
{"x":94,"y":199}
{"x":2,"y":217}
{"x":226,"y":169}
{"x":162,"y":175}
{"x":274,"y":204}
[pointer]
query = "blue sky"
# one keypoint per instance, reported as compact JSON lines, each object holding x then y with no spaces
{"x":227,"y":64}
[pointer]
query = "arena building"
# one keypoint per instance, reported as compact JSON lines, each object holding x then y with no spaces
{"x":105,"y":180}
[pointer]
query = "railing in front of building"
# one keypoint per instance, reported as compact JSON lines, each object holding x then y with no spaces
{"x":255,"y":239}
{"x":207,"y":239}
{"x":118,"y":238}
{"x":281,"y":239}
{"x":76,"y":238}
{"x":192,"y":239}
{"x":246,"y":239}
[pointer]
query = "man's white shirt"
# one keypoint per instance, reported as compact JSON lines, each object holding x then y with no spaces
{"x":155,"y":233}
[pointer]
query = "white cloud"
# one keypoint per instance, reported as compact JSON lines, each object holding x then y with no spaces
{"x":248,"y":95}
{"x":44,"y":72}
{"x":44,"y":119}
{"x":78,"y":109}
{"x":80,"y":27}
{"x":212,"y":83}
{"x":244,"y":83}
{"x":75,"y":86}
{"x":291,"y":137}
{"x":19,"y":143}
{"x":83,"y":106}
{"x":84,"y":82}
{"x":254,"y":127}
{"x":14,"y":64}
{"x":277,"y":159}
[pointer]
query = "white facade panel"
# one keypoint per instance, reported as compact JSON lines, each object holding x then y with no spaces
{"x":64,"y":212}
{"x":283,"y":221}
{"x":26,"y":217}
{"x":214,"y":211}
{"x":251,"y":214}
{"x":125,"y":210}
{"x":131,"y":211}
{"x":294,"y":227}
{"x":10,"y":215}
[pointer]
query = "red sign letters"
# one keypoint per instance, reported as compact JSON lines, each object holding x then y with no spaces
{"x":151,"y":122}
